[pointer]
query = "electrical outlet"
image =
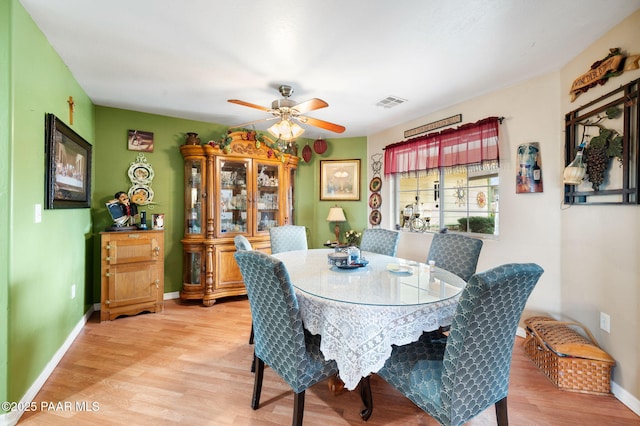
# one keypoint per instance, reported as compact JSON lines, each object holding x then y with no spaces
{"x":605,"y":322}
{"x":73,"y":291}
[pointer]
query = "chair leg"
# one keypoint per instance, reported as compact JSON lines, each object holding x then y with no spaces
{"x":298,"y":408}
{"x":501,"y":412}
{"x":367,"y":398}
{"x":253,"y":363}
{"x":257,"y":383}
{"x":251,"y":336}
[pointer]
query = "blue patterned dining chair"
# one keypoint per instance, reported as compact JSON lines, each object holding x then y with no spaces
{"x":456,"y":379}
{"x":456,"y":253}
{"x":288,"y":238}
{"x":242,"y":243}
{"x":280,"y":338}
{"x":378,"y":240}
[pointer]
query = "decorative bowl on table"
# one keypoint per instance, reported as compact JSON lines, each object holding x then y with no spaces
{"x":344,"y":260}
{"x":340,"y":258}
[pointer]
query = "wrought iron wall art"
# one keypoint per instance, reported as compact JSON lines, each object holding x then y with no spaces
{"x":607,"y":130}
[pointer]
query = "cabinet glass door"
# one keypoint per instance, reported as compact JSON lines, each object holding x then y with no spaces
{"x":192,"y":268}
{"x":193,"y":197}
{"x":232,"y":176}
{"x":267,"y":196}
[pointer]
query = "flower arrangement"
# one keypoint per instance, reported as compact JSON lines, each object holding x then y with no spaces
{"x":353,"y":237}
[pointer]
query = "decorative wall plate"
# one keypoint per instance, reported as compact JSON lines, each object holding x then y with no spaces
{"x":375,"y":184}
{"x":306,"y":153}
{"x":375,"y":200}
{"x":141,"y":194}
{"x":140,"y":173}
{"x":375,"y":217}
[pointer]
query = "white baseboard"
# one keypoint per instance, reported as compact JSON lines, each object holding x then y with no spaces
{"x":626,"y":398}
{"x":173,"y":295}
{"x":10,"y":419}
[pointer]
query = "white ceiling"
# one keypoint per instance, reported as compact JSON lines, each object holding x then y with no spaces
{"x":186,"y":58}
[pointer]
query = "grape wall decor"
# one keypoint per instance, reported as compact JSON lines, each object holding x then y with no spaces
{"x":606,"y":130}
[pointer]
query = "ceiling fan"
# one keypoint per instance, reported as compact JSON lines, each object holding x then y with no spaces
{"x":289,"y":111}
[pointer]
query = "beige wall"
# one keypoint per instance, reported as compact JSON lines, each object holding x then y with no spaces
{"x":600,"y":266}
{"x":576,"y":246}
{"x":532,"y":114}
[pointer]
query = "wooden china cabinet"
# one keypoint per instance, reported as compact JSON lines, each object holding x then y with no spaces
{"x":240,"y":186}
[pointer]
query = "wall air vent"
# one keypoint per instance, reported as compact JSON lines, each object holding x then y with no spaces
{"x":390,"y":102}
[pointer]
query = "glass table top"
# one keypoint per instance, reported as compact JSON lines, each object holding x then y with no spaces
{"x":384,"y":281}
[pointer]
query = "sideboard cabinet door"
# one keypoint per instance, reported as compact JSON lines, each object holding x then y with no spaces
{"x":132,"y":273}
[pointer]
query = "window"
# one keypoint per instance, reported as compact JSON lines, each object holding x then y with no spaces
{"x":447,"y":180}
{"x":463,"y":200}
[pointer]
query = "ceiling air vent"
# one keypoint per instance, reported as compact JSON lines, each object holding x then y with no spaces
{"x":390,"y":102}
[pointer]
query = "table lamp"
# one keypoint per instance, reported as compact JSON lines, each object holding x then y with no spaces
{"x":336,"y":214}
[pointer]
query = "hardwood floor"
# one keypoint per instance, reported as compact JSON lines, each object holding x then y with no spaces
{"x":191,"y":364}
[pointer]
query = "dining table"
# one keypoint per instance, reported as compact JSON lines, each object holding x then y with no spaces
{"x":361,"y":309}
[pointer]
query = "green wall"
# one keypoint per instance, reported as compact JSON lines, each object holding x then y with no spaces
{"x":5,"y":149}
{"x":112,"y":160}
{"x":310,"y":211}
{"x":47,"y":258}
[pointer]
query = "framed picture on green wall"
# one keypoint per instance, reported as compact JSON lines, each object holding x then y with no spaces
{"x":138,"y":140}
{"x":68,"y":168}
{"x":340,"y":180}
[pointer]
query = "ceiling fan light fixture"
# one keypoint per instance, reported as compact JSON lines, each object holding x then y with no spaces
{"x":286,"y":130}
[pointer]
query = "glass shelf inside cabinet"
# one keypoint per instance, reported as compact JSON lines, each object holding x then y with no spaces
{"x":194,"y":207}
{"x":268,"y":202}
{"x":233,"y":197}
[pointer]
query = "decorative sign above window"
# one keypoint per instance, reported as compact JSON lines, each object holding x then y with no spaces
{"x":432,"y":126}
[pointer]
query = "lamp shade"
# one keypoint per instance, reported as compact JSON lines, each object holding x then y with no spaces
{"x":336,"y":214}
{"x":286,"y":130}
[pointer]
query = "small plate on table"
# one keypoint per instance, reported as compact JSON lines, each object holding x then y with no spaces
{"x":359,"y":264}
{"x":399,"y":269}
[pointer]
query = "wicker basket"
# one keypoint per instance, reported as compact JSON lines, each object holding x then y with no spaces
{"x":570,"y":360}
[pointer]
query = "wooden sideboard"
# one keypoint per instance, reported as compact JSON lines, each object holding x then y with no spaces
{"x":132,"y":273}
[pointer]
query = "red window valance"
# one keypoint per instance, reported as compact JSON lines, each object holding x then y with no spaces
{"x":474,"y":143}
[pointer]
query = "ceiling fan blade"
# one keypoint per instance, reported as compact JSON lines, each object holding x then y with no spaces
{"x":310,"y":105}
{"x":253,"y":122}
{"x":322,"y":124}
{"x":250,"y":105}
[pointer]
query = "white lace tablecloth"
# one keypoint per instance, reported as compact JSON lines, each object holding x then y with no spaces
{"x":361,"y":313}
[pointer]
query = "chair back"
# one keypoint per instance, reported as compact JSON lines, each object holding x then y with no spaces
{"x":288,"y":238}
{"x":477,"y":357}
{"x":279,"y":333}
{"x":242,"y":243}
{"x":378,"y":240}
{"x":456,"y":253}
